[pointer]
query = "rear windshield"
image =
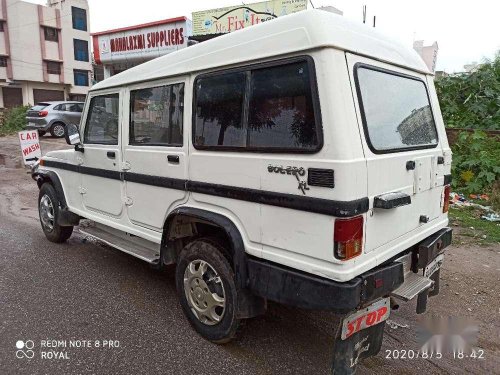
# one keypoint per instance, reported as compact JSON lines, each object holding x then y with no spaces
{"x":396,"y":111}
{"x":39,"y":107}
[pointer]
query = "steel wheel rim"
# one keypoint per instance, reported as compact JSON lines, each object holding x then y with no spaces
{"x":47,"y":216}
{"x":59,"y":130}
{"x":204,"y":292}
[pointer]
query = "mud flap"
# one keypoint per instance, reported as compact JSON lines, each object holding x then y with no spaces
{"x":348,"y":353}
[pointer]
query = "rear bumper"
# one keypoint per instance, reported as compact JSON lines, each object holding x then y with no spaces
{"x":292,"y":287}
{"x":36,"y":123}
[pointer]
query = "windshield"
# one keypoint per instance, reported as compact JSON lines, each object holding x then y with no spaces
{"x":396,"y":111}
{"x":39,"y":107}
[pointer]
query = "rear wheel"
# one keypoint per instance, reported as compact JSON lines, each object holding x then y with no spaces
{"x":57,"y":130}
{"x":207,"y":291}
{"x":48,"y":211}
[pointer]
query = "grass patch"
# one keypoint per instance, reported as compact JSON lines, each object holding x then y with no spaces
{"x":470,"y":217}
{"x":14,"y":121}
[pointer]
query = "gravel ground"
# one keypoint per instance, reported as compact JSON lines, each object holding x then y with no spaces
{"x":84,"y":291}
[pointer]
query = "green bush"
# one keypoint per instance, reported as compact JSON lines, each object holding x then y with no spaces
{"x":14,"y":120}
{"x":476,"y":162}
{"x":472,"y":100}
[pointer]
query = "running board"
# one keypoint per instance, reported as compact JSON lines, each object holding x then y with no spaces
{"x":413,"y":284}
{"x":130,"y":244}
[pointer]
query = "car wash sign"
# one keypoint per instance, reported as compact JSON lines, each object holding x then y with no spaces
{"x":226,"y":20}
{"x":141,"y":42}
{"x":30,"y":146}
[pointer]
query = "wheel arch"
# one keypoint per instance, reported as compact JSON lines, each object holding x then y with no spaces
{"x":65,"y":217}
{"x":51,"y":177}
{"x":236,"y":249}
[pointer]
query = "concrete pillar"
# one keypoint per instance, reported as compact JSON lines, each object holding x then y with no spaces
{"x":107,"y":71}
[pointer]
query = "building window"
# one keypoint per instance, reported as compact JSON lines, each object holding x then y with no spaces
{"x":79,"y":18}
{"x":51,"y":34}
{"x":81,"y":50}
{"x":156,"y":115}
{"x":1,"y":25}
{"x":53,"y":67}
{"x":3,"y":62}
{"x":81,"y":77}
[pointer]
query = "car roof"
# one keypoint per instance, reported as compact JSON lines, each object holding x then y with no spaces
{"x":293,"y":33}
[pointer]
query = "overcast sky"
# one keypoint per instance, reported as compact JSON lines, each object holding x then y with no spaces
{"x":466,"y":31}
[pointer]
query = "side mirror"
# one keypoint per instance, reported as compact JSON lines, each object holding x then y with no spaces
{"x":72,"y":135}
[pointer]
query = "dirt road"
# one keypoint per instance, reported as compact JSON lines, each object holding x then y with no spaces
{"x":82,"y":290}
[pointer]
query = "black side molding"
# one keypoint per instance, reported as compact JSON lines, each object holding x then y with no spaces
{"x":292,"y":201}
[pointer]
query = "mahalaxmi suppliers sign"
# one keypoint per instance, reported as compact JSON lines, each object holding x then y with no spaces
{"x":228,"y":19}
{"x":30,"y":146}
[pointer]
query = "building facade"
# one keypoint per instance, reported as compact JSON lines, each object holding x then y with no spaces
{"x":119,"y":49}
{"x":427,"y":53}
{"x":44,"y":51}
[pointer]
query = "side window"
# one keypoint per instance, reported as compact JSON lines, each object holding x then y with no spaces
{"x":281,"y":112}
{"x":79,"y":108}
{"x":268,"y":109}
{"x":156,"y":115}
{"x":219,"y":111}
{"x":102,"y":120}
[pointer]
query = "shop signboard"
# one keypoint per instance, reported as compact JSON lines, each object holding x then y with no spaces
{"x":229,"y":19}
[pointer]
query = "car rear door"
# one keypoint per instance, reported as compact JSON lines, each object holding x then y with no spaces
{"x":155,"y":150}
{"x":404,"y":155}
{"x":73,"y":113}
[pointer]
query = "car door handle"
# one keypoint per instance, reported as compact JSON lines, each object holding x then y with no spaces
{"x":111,"y":154}
{"x":173,"y":159}
{"x":391,"y":200}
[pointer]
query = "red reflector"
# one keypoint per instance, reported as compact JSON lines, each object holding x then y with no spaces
{"x":348,"y":237}
{"x":446,"y":198}
{"x":43,"y":113}
{"x":379,"y":283}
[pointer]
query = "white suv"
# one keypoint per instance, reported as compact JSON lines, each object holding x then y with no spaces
{"x":303,"y":161}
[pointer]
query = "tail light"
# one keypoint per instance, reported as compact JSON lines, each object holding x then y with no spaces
{"x":43,"y":113}
{"x":348,"y":237}
{"x":446,"y":198}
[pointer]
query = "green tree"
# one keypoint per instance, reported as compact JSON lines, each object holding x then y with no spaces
{"x":472,"y":100}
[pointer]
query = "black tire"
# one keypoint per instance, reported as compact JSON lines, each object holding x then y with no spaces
{"x":41,"y":133}
{"x":55,"y":232}
{"x":209,"y":251}
{"x":55,"y":130}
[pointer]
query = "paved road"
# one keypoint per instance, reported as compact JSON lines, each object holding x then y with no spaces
{"x":85,"y":291}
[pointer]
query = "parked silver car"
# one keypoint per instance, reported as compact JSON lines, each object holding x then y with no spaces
{"x":53,"y":117}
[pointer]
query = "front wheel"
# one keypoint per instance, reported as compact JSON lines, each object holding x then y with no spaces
{"x":48,"y":205}
{"x":207,"y":291}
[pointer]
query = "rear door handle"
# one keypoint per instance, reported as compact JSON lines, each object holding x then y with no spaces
{"x":111,"y":154}
{"x":173,"y":159}
{"x":391,"y":200}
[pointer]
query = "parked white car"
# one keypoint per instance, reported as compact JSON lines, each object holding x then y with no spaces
{"x":302,"y":161}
